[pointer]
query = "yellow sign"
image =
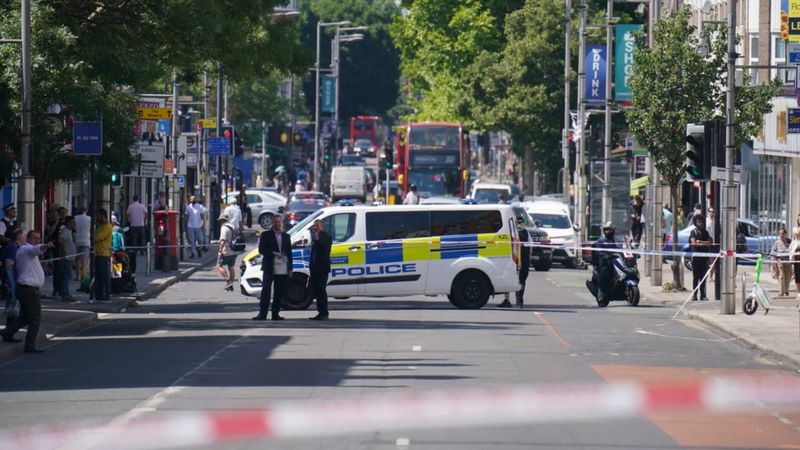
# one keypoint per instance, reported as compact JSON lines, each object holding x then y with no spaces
{"x":153,"y":113}
{"x":790,"y":23}
{"x":207,"y":123}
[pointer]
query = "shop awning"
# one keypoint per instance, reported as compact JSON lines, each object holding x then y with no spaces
{"x":637,"y":184}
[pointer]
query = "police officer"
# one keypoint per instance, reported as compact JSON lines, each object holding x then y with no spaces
{"x":700,"y":242}
{"x":411,"y":197}
{"x":8,"y":225}
{"x":524,"y":267}
{"x":319,"y":267}
{"x":602,"y":261}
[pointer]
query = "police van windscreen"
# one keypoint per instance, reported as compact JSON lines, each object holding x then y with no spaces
{"x":302,"y":224}
{"x":386,"y":225}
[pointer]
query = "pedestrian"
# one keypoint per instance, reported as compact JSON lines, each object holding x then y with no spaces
{"x":411,"y":197}
{"x":30,"y":280}
{"x":794,"y":256}
{"x":780,"y":253}
{"x":117,"y":239}
{"x":11,"y":275}
{"x":700,"y":242}
{"x":680,"y":217}
{"x":637,"y":204}
{"x":8,"y":224}
{"x":524,"y":266}
{"x":136,"y":214}
{"x":195,"y":222}
{"x":244,"y":207}
{"x":234,"y":216}
{"x":226,"y":257}
{"x":696,"y":210}
{"x":83,"y":231}
{"x":102,"y":256}
{"x":320,"y":267}
{"x":160,"y":203}
{"x":275,"y":248}
{"x":667,"y":221}
{"x":66,"y":255}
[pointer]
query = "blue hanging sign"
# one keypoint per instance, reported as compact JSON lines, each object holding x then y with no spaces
{"x":595,"y":83}
{"x":87,"y":138}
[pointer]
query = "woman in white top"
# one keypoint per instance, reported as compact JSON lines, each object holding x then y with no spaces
{"x":780,"y":252}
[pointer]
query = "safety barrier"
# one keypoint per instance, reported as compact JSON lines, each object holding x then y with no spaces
{"x":480,"y":407}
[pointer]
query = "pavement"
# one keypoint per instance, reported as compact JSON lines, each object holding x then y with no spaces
{"x":60,"y":318}
{"x":776,"y":334}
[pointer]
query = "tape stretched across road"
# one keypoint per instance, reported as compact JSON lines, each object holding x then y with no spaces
{"x":503,"y":406}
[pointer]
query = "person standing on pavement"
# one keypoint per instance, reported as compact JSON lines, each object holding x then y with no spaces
{"x":226,"y":257}
{"x":66,"y":254}
{"x":699,"y":242}
{"x":234,"y":216}
{"x":29,"y":284}
{"x":320,"y":267}
{"x":275,"y":248}
{"x":794,"y":256}
{"x":83,"y":232}
{"x":102,"y":256}
{"x":195,"y":221}
{"x":136,"y":214}
{"x":8,"y":225}
{"x":411,"y":197}
{"x":780,"y":250}
{"x":244,"y":207}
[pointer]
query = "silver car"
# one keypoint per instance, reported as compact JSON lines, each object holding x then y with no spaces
{"x":263,"y":205}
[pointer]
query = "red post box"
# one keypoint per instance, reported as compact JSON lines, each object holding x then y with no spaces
{"x":166,"y":234}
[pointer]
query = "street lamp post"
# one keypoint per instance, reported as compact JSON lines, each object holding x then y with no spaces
{"x":317,"y":167}
{"x":335,"y":45}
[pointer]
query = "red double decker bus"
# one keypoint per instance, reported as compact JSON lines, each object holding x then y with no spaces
{"x":367,"y":134}
{"x":434,"y":157}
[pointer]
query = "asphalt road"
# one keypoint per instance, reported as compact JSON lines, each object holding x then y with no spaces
{"x":195,"y":348}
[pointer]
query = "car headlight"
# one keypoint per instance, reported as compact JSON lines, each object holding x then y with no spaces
{"x":255,"y":261}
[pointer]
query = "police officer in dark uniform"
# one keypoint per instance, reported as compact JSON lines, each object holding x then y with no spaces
{"x":320,"y":267}
{"x":9,"y":224}
{"x":524,"y":266}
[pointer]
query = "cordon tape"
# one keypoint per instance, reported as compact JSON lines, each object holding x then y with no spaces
{"x":481,"y":407}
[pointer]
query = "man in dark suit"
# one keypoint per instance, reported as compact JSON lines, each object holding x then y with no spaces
{"x":320,"y":267}
{"x":275,"y":247}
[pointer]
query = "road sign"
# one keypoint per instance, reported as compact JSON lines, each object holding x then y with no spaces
{"x":328,"y":94}
{"x":207,"y":123}
{"x":87,"y":138}
{"x":720,"y":174}
{"x":187,"y":146}
{"x":793,"y":52}
{"x":151,"y":162}
{"x":181,"y":181}
{"x":219,"y":146}
{"x":153,"y":113}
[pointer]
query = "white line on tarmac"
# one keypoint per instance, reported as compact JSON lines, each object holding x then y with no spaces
{"x":402,"y":442}
{"x":416,"y":348}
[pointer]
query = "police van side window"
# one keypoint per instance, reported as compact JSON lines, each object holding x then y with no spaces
{"x":387,"y":225}
{"x":340,"y":226}
{"x":449,"y":223}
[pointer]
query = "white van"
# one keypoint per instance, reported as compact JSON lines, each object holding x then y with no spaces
{"x":553,"y":217}
{"x":348,"y":182}
{"x":491,"y":192}
{"x":467,"y":252}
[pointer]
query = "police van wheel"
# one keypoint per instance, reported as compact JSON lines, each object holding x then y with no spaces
{"x":543,"y":266}
{"x":470,"y":290}
{"x":297,"y":296}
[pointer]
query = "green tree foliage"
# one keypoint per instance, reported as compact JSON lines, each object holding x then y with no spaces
{"x":369,"y":69}
{"x":95,"y":56}
{"x":676,"y":83}
{"x":520,"y":88}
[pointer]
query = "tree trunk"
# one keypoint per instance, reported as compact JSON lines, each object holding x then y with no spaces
{"x":677,"y":264}
{"x":527,"y":171}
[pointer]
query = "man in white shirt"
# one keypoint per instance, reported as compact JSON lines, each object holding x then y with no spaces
{"x":234,"y":215}
{"x":136,"y":214}
{"x":195,"y":221}
{"x":411,"y":197}
{"x":83,"y":229}
{"x":30,"y":279}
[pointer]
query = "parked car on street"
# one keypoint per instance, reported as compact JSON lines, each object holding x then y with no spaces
{"x":541,"y":257}
{"x":553,"y":217}
{"x":491,"y":192}
{"x":755,"y":242}
{"x":263,"y":205}
{"x":299,"y":209}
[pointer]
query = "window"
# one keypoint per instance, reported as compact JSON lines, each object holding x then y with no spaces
{"x":340,"y":226}
{"x":253,"y":198}
{"x":449,"y":223}
{"x":780,"y":48}
{"x":551,"y":220}
{"x":387,"y":225}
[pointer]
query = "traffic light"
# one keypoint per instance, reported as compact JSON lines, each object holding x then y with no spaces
{"x":238,"y":149}
{"x":387,"y":164}
{"x":116,"y":179}
{"x":784,"y":26}
{"x":228,"y":133}
{"x":698,"y":151}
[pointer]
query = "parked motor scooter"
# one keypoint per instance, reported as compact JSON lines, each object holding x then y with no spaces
{"x":624,"y":283}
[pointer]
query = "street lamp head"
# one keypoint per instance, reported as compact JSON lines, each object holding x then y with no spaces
{"x":362,"y":28}
{"x":342,"y":23}
{"x":351,"y":37}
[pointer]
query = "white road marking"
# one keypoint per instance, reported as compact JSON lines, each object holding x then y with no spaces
{"x":412,"y":367}
{"x":402,"y":442}
{"x":416,"y":348}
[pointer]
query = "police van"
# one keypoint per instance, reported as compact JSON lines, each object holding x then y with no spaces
{"x":466,"y":252}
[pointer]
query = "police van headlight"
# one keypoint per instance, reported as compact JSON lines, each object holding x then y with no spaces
{"x":255,"y":261}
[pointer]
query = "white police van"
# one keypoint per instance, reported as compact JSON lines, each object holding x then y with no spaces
{"x":467,"y":252}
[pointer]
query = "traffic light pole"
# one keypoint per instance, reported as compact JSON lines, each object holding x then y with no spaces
{"x":567,"y":70}
{"x":728,"y":304}
{"x":580,"y":191}
{"x":606,"y":204}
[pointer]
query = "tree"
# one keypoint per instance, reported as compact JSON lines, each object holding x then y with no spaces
{"x":674,"y":84}
{"x":370,"y":68}
{"x":520,"y":88}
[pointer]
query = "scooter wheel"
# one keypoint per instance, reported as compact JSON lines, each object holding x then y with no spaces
{"x":750,"y":305}
{"x":632,"y":295}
